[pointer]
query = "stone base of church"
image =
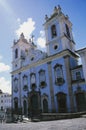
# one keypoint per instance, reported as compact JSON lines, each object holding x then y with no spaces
{"x":58,"y":116}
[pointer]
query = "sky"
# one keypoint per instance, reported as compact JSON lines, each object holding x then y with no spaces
{"x":28,"y":16}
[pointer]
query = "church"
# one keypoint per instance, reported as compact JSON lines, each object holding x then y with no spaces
{"x":51,"y":81}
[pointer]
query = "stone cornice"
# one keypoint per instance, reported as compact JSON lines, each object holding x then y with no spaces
{"x":76,"y":82}
{"x":77,"y":67}
{"x":46,"y":60}
{"x":55,"y":39}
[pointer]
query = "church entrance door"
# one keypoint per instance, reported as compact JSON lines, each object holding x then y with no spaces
{"x":45,"y":106}
{"x":80,"y":101}
{"x":34,"y":104}
{"x":61,"y":99}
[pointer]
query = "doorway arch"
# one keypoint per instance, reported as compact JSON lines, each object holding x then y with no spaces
{"x":25,"y":107}
{"x":45,"y":106}
{"x":62,"y":103}
{"x":80,"y":101}
{"x":34,"y":104}
{"x":16,"y":105}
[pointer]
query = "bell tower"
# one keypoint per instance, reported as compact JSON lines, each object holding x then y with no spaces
{"x":20,"y":51}
{"x":58,"y":32}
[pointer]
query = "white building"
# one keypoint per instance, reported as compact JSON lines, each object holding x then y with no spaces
{"x":5,"y":101}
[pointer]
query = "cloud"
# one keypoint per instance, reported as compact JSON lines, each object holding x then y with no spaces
{"x":41,"y":40}
{"x":26,"y":27}
{"x":5,"y":85}
{"x":42,"y":33}
{"x":4,"y":67}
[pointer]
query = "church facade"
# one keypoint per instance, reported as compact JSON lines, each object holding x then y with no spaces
{"x":51,"y":81}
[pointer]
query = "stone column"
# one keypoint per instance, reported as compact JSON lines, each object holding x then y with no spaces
{"x":69,"y":84}
{"x":51,"y":87}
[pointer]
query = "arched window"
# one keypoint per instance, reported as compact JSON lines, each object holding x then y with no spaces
{"x":16,"y":53}
{"x":33,"y":80}
{"x":25,"y":83}
{"x":58,"y":72}
{"x":53,"y":31}
{"x":42,"y":78}
{"x":67,"y":30}
{"x":59,"y":79}
{"x":15,"y":85}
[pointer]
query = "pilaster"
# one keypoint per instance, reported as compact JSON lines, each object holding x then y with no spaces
{"x":20,"y":91}
{"x":51,"y":86}
{"x":68,"y":77}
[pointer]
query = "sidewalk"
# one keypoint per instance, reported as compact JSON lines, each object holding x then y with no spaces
{"x":66,"y":124}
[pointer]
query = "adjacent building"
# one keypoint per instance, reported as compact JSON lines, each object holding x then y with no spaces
{"x":52,"y":81}
{"x":5,"y":101}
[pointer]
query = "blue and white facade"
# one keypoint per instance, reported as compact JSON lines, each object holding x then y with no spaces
{"x":51,"y":81}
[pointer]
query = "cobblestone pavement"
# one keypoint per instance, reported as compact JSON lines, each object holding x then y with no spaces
{"x":69,"y":124}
